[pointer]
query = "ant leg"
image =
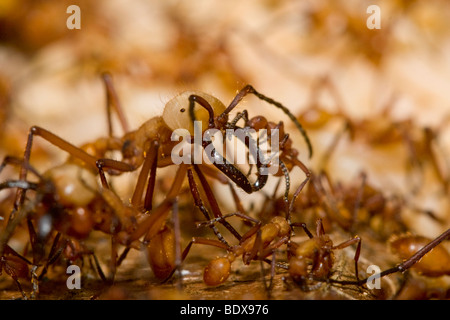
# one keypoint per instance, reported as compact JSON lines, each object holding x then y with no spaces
{"x":53,"y":255}
{"x":199,"y":204}
{"x":97,"y":267}
{"x":268,"y":288}
{"x":10,"y":271}
{"x":38,"y":252}
{"x":13,"y":268}
{"x":402,"y":267}
{"x":56,"y":141}
{"x":122,"y":256}
{"x":149,"y":166}
{"x":11,"y":160}
{"x":249,"y":89}
{"x":177,"y":236}
{"x":111,"y":164}
{"x":347,"y":243}
{"x":406,"y":264}
{"x":152,"y":224}
{"x":14,"y":220}
{"x":239,"y":116}
{"x":288,"y":185}
{"x":430,"y":137}
{"x":332,"y":147}
{"x":213,"y":202}
{"x":113,"y":100}
{"x":245,"y":217}
{"x":305,"y":228}
{"x":296,"y":193}
{"x":358,"y":200}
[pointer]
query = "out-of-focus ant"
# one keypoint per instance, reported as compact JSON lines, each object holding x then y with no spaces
{"x":377,"y":131}
{"x":58,"y":213}
{"x":425,"y":255}
{"x":314,"y":258}
{"x":148,"y":148}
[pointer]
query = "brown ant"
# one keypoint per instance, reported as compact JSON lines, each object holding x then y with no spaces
{"x":377,"y":131}
{"x":257,"y":243}
{"x":150,"y":147}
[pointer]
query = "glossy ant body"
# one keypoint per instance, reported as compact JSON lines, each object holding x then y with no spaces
{"x":313,"y":258}
{"x":435,"y":263}
{"x":257,"y":243}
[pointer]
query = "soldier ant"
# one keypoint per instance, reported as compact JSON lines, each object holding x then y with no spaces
{"x":377,"y":131}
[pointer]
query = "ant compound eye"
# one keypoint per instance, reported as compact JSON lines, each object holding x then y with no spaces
{"x":176,"y":113}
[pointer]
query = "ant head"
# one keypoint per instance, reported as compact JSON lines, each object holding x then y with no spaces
{"x":177,"y":116}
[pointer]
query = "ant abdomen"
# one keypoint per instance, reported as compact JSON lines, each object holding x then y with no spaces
{"x":161,"y":253}
{"x":435,"y":263}
{"x":217,"y":271}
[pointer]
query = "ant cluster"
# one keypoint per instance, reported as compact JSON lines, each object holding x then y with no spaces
{"x":60,"y":209}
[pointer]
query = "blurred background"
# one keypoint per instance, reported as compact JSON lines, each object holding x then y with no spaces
{"x":301,"y":53}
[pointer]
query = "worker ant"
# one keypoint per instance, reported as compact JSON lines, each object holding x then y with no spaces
{"x":148,"y":148}
{"x":377,"y":132}
{"x":314,"y":258}
{"x":257,"y":244}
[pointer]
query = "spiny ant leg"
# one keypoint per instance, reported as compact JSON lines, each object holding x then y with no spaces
{"x":249,"y":89}
{"x":405,"y":265}
{"x":305,"y":228}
